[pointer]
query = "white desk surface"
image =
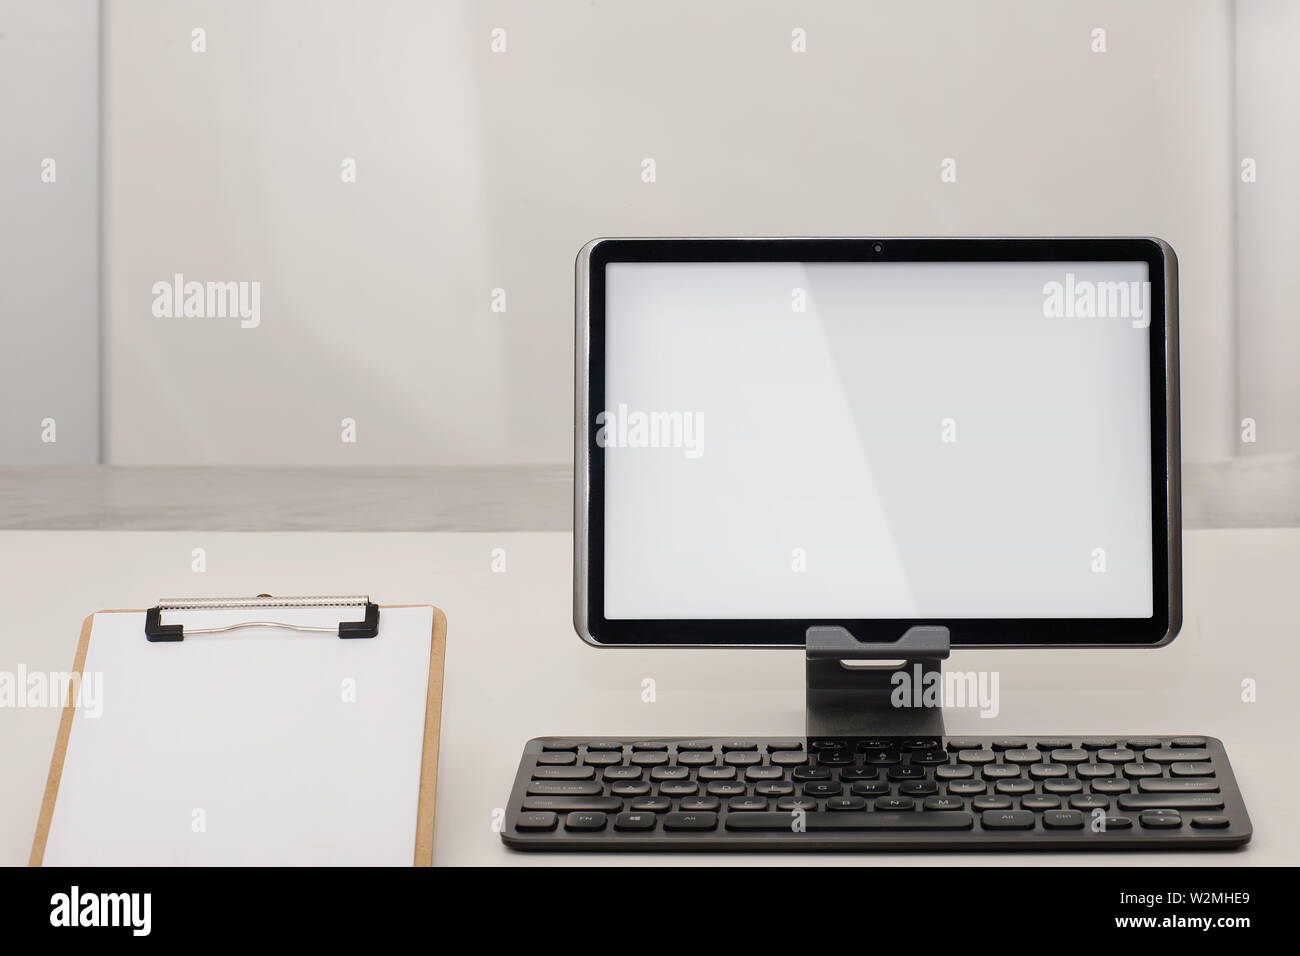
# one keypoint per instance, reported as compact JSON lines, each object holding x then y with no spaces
{"x":516,"y":670}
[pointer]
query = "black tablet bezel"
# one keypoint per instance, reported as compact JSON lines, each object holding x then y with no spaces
{"x":589,"y":571}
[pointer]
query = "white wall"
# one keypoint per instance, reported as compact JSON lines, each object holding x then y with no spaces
{"x":1268,"y":224}
{"x":480,"y":170}
{"x":49,"y":232}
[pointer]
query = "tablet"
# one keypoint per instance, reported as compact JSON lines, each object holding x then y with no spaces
{"x":772,"y":434}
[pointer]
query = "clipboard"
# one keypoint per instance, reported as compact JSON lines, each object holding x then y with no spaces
{"x":237,"y":707}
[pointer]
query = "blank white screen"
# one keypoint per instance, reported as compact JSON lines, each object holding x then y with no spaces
{"x":920,"y":441}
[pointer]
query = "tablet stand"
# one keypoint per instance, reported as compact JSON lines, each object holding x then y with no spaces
{"x":864,"y":700}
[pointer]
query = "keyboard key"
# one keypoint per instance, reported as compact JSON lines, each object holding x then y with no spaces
{"x":1117,"y":755}
{"x":822,"y":788}
{"x":764,"y":773}
{"x":963,"y":743}
{"x":1138,"y":770}
{"x":672,"y":773}
{"x":870,"y":788}
{"x":1161,"y":755}
{"x":650,"y":745}
{"x":544,"y":820}
{"x":1178,"y":785}
{"x":561,"y":804}
{"x":991,"y":802}
{"x":699,"y":803}
{"x":717,"y":773}
{"x":564,"y":773}
{"x":1007,"y":820}
{"x":1044,"y":771}
{"x":560,"y":745}
{"x":576,"y":788}
{"x":558,"y":758}
{"x":1096,"y":743}
{"x":920,"y":743}
{"x":828,"y":745}
{"x":894,"y":803}
{"x":746,"y":804}
{"x":1142,"y":743}
{"x":1117,"y":823}
{"x":1009,"y":743}
{"x":1041,"y":802}
{"x":841,"y":804}
{"x":788,"y":758}
{"x":944,"y":803}
{"x":811,"y":773}
{"x":1069,"y":755}
{"x":744,"y":758}
{"x":1054,"y":743}
{"x":929,"y":758}
{"x":1022,"y":756}
{"x":918,"y":788}
{"x":603,"y":759}
{"x":622,"y":773}
{"x":630,"y":788}
{"x":648,"y":758}
{"x":1160,"y":821}
{"x":796,"y":803}
{"x":976,"y":757}
{"x":701,"y":746}
{"x":1111,"y":785}
{"x":1091,"y":771}
{"x":697,"y":758}
{"x":812,"y":822}
{"x":850,"y":774}
{"x":653,"y":804}
{"x":882,"y":758}
{"x":1013,"y":786}
{"x":966,"y":788}
{"x":1171,"y":801}
{"x":585,"y":820}
{"x":700,"y":820}
{"x":1089,"y":801}
{"x":1210,"y":821}
{"x":1191,"y":769}
{"x":836,"y":758}
{"x":950,"y":772}
{"x":905,"y":773}
{"x":1001,"y":771}
{"x":604,"y":745}
{"x":784,"y":745}
{"x":635,"y":821}
{"x":876,"y":744}
{"x":1063,"y":820}
{"x":773,"y":788}
{"x":1188,"y":742}
{"x":726,"y":788}
{"x":1066,"y":786}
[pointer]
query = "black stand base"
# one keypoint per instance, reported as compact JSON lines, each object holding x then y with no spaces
{"x":869,"y":700}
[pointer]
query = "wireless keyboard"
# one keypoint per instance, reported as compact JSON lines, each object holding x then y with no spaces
{"x":948,"y":793}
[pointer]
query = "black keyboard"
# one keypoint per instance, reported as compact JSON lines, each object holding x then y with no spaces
{"x":948,"y":793}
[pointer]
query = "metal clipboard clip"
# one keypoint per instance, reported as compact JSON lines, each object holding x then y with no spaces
{"x":156,"y":631}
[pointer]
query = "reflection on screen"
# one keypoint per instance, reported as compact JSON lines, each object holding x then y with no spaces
{"x":877,"y":440}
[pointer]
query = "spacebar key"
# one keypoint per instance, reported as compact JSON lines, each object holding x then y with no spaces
{"x":841,"y":820}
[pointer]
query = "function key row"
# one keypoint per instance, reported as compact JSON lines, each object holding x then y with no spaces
{"x":905,"y":745}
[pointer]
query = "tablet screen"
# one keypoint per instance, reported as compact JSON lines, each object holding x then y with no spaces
{"x":920,"y":440}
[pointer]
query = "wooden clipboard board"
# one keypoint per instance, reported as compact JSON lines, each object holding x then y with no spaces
{"x":423,"y":854}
